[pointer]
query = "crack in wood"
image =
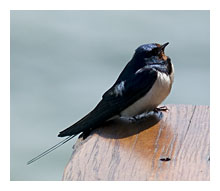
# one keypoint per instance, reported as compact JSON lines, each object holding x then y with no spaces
{"x":190,"y":121}
{"x":132,"y":149}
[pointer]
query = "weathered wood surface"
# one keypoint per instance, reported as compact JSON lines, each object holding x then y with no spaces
{"x":173,"y":148}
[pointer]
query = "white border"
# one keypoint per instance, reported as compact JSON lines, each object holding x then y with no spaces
{"x":105,"y":5}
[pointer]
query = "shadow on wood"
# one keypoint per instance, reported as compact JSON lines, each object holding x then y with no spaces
{"x":173,"y":148}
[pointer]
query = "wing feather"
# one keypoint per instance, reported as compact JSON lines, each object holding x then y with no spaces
{"x":116,"y":99}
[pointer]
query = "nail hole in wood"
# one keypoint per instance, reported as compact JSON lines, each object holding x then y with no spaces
{"x":165,"y":159}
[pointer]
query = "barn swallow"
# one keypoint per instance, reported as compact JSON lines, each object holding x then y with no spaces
{"x":142,"y":85}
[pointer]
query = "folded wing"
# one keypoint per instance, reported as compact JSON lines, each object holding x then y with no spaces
{"x":115,"y":100}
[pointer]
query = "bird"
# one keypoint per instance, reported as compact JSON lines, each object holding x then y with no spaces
{"x":141,"y":87}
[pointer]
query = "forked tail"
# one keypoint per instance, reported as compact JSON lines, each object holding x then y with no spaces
{"x":50,"y":149}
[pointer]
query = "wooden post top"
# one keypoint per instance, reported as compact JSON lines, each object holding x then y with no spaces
{"x":172,"y":146}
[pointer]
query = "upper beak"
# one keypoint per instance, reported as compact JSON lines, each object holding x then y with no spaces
{"x":162,"y":47}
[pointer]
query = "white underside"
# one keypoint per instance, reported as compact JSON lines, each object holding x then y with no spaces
{"x":159,"y":91}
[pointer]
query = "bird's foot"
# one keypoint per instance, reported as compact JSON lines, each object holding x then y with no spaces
{"x":136,"y":118}
{"x":162,"y":108}
{"x":129,"y":119}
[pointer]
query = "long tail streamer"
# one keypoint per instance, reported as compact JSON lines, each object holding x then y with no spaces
{"x":50,"y":149}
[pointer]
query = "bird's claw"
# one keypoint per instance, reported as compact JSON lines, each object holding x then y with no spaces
{"x":137,"y":118}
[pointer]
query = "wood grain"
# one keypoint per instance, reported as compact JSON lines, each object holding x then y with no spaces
{"x":169,"y":146}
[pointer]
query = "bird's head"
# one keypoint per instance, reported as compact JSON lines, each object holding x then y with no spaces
{"x":151,"y":50}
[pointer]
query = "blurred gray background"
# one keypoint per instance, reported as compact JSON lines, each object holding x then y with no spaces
{"x":63,"y":61}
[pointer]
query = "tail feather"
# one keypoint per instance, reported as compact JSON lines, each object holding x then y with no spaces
{"x":101,"y":113}
{"x":75,"y":128}
{"x":95,"y":118}
{"x":50,"y":149}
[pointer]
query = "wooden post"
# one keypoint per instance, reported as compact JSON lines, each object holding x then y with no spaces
{"x":174,"y":146}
